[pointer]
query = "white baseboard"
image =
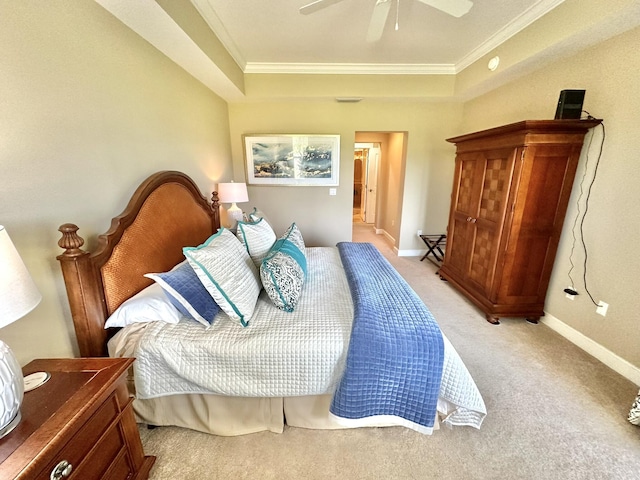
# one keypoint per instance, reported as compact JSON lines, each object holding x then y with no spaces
{"x":381,"y":231}
{"x":610,"y":359}
{"x":411,"y":253}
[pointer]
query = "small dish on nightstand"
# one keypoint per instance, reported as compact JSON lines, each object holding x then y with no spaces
{"x":34,"y":380}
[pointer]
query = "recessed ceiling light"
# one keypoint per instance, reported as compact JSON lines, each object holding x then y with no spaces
{"x":493,"y":63}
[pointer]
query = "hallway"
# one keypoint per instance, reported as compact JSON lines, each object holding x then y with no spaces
{"x":365,"y":232}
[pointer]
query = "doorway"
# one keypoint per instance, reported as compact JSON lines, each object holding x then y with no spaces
{"x":378,"y":181}
{"x":365,"y":182}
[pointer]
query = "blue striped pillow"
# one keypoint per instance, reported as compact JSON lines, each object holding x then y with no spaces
{"x":186,"y":292}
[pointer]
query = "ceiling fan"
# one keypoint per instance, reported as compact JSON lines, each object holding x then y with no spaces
{"x":456,"y":8}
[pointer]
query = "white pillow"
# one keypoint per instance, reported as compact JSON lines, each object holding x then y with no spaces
{"x":228,"y":273}
{"x":148,"y":305}
{"x":258,"y":237}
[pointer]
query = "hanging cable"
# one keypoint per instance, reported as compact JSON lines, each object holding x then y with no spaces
{"x":586,"y":208}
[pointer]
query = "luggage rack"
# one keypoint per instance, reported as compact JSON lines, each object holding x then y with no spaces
{"x":435,"y":245}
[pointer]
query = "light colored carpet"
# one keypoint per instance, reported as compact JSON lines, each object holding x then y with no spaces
{"x":554,"y":412}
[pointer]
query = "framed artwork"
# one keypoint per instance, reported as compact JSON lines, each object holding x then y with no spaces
{"x":292,"y":159}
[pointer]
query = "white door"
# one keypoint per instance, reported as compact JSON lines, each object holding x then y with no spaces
{"x":370,"y":187}
{"x":363,"y":183}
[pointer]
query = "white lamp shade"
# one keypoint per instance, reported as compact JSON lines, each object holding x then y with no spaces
{"x":233,"y":192}
{"x":18,"y":293}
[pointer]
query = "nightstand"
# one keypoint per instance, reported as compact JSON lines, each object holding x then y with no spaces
{"x":79,"y":424}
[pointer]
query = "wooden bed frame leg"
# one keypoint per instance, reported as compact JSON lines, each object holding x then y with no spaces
{"x":493,"y":320}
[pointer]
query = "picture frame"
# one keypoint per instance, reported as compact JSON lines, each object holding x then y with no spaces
{"x":300,"y":160}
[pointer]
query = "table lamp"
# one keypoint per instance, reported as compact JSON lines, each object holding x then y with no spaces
{"x":231,"y":193}
{"x":18,"y":296}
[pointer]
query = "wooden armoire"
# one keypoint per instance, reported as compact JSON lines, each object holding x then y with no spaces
{"x":510,"y":193}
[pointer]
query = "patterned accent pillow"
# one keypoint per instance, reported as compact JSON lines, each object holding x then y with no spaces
{"x":284,"y":268}
{"x":634,"y":413}
{"x":228,"y":273}
{"x":258,"y":237}
{"x":187,"y":293}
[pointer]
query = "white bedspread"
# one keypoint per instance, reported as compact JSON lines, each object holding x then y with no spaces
{"x":279,"y":355}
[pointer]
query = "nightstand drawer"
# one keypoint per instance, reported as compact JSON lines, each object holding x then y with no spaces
{"x":121,"y":469}
{"x":97,"y":463}
{"x":86,"y":438}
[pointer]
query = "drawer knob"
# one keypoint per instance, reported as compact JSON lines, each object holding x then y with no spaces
{"x":61,"y":470}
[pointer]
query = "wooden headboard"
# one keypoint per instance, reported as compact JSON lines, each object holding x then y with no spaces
{"x":166,"y":212}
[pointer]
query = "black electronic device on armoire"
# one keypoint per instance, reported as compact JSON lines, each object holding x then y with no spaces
{"x":570,"y":104}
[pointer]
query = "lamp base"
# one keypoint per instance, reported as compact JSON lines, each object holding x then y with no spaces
{"x":234,"y":212}
{"x":8,"y":428}
{"x":11,"y":389}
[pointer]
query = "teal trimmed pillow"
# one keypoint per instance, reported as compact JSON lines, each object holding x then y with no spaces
{"x":256,"y":215}
{"x":228,"y":273}
{"x":258,"y":237}
{"x":284,"y":268}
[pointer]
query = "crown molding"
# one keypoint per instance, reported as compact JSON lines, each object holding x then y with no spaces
{"x":217,"y":27}
{"x":521,"y":22}
{"x":350,"y":68}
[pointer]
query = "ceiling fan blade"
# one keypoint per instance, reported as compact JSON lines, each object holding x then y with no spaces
{"x":317,"y":5}
{"x":456,"y":8}
{"x":378,"y":20}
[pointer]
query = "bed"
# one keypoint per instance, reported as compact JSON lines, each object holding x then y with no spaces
{"x":306,"y":365}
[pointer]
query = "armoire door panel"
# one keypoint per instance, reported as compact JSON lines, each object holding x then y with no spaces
{"x":468,"y":189}
{"x":498,"y":167}
{"x":483,"y":256}
{"x":461,"y":233}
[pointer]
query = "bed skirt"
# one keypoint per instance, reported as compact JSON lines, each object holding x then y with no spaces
{"x":231,"y":416}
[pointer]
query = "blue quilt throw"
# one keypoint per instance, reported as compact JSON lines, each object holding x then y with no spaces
{"x":395,"y":356}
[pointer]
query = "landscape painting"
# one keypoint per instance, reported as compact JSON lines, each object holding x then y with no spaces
{"x":292,"y":159}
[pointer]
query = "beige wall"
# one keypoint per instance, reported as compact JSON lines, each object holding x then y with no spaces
{"x":324,"y":219}
{"x":609,"y":74}
{"x":88,"y":111}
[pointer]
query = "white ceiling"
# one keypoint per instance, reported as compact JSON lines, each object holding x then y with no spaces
{"x":273,"y":36}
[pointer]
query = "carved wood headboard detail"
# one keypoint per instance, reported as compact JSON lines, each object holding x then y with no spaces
{"x":166,"y":212}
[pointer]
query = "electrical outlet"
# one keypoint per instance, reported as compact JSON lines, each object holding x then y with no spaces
{"x":419,"y":232}
{"x":568,"y":295}
{"x":602,"y":308}
{"x":332,"y":191}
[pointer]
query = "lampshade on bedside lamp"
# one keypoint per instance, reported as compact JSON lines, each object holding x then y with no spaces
{"x":18,"y":296}
{"x":233,"y":193}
